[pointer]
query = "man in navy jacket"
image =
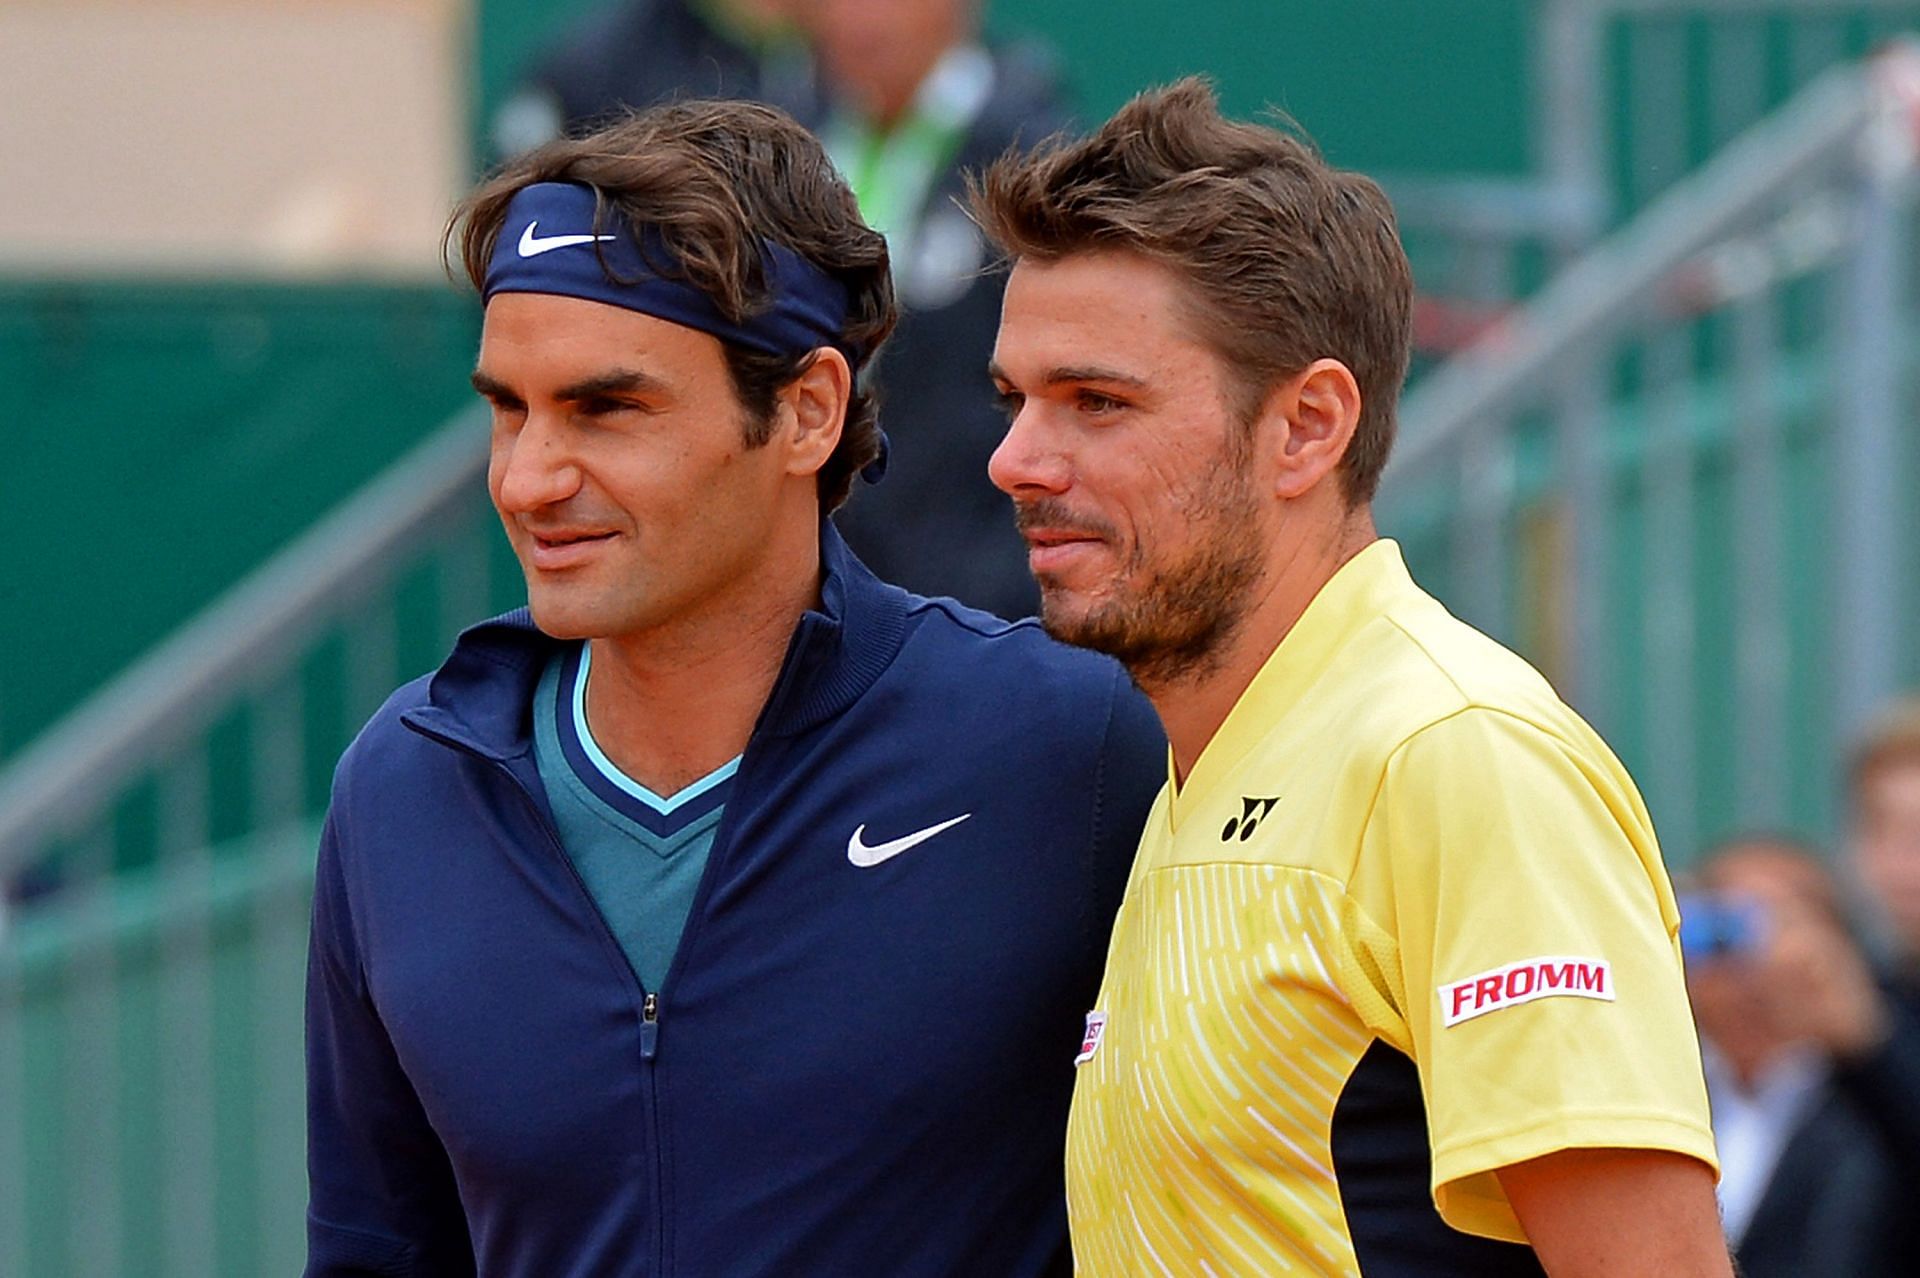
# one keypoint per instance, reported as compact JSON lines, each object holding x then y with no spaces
{"x":728,"y":912}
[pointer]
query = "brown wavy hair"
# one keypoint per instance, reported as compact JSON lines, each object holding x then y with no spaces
{"x":1288,"y":259}
{"x":716,"y":180}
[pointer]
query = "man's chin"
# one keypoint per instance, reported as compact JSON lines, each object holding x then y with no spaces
{"x":560,"y":627}
{"x":560,"y":618}
{"x":1071,"y":620}
{"x":1058,"y":609}
{"x":1152,"y":653}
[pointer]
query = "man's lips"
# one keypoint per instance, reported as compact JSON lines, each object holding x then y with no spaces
{"x":555,"y":548}
{"x":1052,"y":549}
{"x":1042,"y":536}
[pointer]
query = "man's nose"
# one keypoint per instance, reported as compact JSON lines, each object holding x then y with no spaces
{"x":1028,"y":461}
{"x":534,"y":468}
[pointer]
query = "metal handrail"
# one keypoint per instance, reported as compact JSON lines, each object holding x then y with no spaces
{"x":1824,"y":186}
{"x":1511,"y":209}
{"x":260,"y":623}
{"x":1835,"y":123}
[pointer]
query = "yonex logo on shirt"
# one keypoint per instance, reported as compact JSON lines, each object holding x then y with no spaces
{"x":1252,"y":813}
{"x":1523,"y":982}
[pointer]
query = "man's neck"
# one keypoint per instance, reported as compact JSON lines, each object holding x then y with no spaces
{"x":1192,"y":707}
{"x":670,"y":705}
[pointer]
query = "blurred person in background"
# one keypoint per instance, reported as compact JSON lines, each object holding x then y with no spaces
{"x":636,"y":53}
{"x":728,"y":911}
{"x":916,"y":98}
{"x":1794,"y":1031}
{"x":1884,"y":794}
{"x":1884,"y":840}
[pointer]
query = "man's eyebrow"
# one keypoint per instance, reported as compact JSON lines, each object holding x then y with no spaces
{"x":492,"y":387}
{"x":1070,"y":373}
{"x":617,"y":382}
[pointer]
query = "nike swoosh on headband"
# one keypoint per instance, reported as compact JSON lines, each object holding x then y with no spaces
{"x":532,"y":246}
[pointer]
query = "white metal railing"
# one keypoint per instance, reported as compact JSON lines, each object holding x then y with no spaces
{"x":150,"y":1020}
{"x":245,"y":638}
{"x":1694,"y":297}
{"x":1625,"y":97}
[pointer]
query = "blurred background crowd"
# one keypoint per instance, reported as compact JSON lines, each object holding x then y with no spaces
{"x":1809,"y":1015}
{"x":1659,"y":438}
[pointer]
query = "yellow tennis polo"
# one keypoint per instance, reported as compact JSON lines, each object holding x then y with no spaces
{"x":1405,"y":924}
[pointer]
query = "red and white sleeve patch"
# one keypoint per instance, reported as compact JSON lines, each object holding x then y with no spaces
{"x":1523,"y":982}
{"x":1090,"y":1042}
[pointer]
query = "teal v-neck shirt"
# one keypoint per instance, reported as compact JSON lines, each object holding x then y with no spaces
{"x":639,"y":854}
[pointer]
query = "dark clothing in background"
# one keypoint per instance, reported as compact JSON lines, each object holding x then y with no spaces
{"x":1885,"y":1087}
{"x":638,"y":54}
{"x":1830,"y":1206}
{"x":937,"y":525}
{"x":1842,"y":1198}
{"x":1885,"y":1083}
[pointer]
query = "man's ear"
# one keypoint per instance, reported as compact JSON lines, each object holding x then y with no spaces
{"x":813,"y":409}
{"x":1312,"y":417}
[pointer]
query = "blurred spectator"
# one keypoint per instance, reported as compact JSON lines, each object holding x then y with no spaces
{"x":640,"y":52}
{"x":1799,"y":1048}
{"x":917,"y":98}
{"x":1884,"y":803}
{"x":1884,"y":785}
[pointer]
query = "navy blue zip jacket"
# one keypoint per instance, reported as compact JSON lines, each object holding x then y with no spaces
{"x":847,"y":1071}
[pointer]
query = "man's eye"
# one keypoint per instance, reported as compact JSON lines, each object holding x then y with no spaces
{"x":1011,"y":402}
{"x":1095,"y":402}
{"x":599,"y":407}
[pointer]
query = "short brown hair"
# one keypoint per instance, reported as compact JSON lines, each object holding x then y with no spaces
{"x":1289,"y":259}
{"x":717,"y":180}
{"x":1892,"y":738}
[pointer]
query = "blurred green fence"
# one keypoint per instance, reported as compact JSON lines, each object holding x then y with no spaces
{"x":155,"y":1027}
{"x":1683,"y":477}
{"x":151,"y":1096}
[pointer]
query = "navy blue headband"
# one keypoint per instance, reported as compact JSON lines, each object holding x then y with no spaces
{"x":551,"y":242}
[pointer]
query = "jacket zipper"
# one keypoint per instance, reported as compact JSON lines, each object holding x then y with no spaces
{"x":650,"y":1000}
{"x":649,"y":1023}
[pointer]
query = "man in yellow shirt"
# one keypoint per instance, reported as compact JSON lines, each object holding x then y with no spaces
{"x":1396,"y":987}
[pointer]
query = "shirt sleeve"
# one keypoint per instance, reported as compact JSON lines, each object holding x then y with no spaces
{"x":1525,"y":933}
{"x":382,"y":1198}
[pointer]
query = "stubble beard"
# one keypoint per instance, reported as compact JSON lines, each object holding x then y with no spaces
{"x":1173,"y":623}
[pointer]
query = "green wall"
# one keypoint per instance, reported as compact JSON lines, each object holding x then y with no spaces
{"x":163,"y":438}
{"x":1415,"y":86}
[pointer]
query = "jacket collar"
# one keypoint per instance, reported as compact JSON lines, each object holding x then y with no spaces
{"x":481,"y":699}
